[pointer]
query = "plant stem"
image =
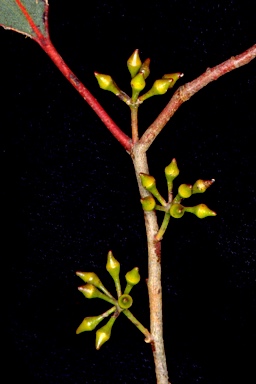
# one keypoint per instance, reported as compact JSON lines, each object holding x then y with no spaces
{"x":136,"y":322}
{"x":48,"y":47}
{"x":134,"y":123}
{"x":154,"y":272}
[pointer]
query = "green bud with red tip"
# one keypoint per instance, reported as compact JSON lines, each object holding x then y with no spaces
{"x":185,"y":190}
{"x":148,"y":203}
{"x":134,"y":63}
{"x":91,"y":292}
{"x":103,"y":334}
{"x":107,"y":83}
{"x":173,"y":77}
{"x":92,"y":278}
{"x":89,"y":323}
{"x":200,"y":186}
{"x":171,"y":172}
{"x":132,"y":278}
{"x":144,"y":69}
{"x":201,"y":211}
{"x":177,"y":210}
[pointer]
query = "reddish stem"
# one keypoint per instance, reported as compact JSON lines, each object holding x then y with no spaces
{"x":186,"y":91}
{"x":46,"y":44}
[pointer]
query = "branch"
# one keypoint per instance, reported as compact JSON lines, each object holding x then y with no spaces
{"x":123,"y":139}
{"x":185,"y":92}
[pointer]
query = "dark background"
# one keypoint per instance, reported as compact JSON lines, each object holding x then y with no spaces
{"x":69,"y":195}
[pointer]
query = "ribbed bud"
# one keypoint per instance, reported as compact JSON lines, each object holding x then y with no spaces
{"x":107,"y":83}
{"x":89,"y":323}
{"x":177,"y":211}
{"x":148,"y":203}
{"x":132,"y":278}
{"x":201,"y":211}
{"x":103,"y":334}
{"x":185,"y":190}
{"x":134,"y":63}
{"x":125,"y":301}
{"x":91,"y":292}
{"x":173,"y":77}
{"x":200,"y":186}
{"x":144,"y":69}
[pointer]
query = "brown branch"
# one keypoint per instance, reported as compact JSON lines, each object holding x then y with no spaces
{"x":186,"y":91}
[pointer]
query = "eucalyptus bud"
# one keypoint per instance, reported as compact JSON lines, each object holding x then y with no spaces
{"x":200,"y":186}
{"x":185,"y":190}
{"x":201,"y":211}
{"x":103,"y":334}
{"x":107,"y":83}
{"x":134,"y":63}
{"x":91,"y":277}
{"x":149,"y":183}
{"x":173,"y":77}
{"x":171,"y":172}
{"x":113,"y":268}
{"x":89,"y":323}
{"x":91,"y":292}
{"x":177,"y":211}
{"x":148,"y":203}
{"x":144,"y":69}
{"x":159,"y":88}
{"x":132,"y":278}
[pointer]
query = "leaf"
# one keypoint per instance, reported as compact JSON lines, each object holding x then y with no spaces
{"x":28,"y":17}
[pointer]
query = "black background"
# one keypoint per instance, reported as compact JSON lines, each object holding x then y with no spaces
{"x":69,"y":195}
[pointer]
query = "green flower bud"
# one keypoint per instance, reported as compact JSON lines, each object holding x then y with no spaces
{"x":134,"y":63}
{"x":91,"y":277}
{"x":144,"y":69}
{"x":177,"y":211}
{"x":137,"y":84}
{"x":201,"y":211}
{"x":125,"y":301}
{"x":171,"y":171}
{"x":200,"y":186}
{"x":159,"y":88}
{"x":89,"y":323}
{"x":148,"y":203}
{"x":132,"y":278}
{"x":113,"y":268}
{"x":173,"y":77}
{"x":147,"y":181}
{"x":107,"y":83}
{"x":185,"y":190}
{"x":103,"y":334}
{"x":91,"y":292}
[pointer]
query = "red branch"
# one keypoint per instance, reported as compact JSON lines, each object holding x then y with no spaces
{"x":47,"y":46}
{"x":186,"y":91}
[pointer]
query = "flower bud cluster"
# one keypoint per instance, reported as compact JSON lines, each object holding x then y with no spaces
{"x":139,"y":72}
{"x":95,"y":289}
{"x":173,"y":207}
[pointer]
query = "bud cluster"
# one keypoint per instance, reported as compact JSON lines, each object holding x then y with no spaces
{"x":173,"y":207}
{"x":95,"y":289}
{"x":139,"y":72}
